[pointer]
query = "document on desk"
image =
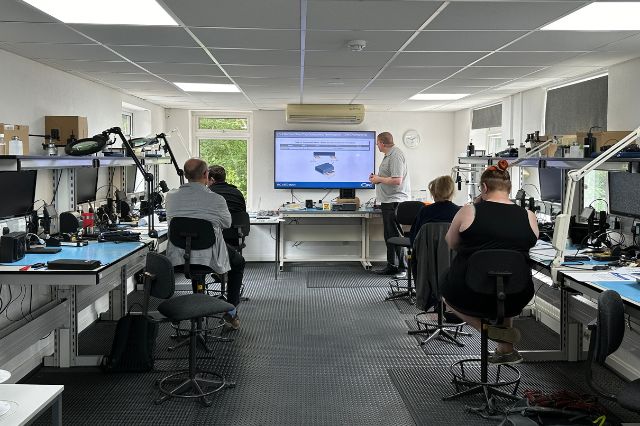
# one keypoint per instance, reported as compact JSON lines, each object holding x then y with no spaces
{"x":627,"y":274}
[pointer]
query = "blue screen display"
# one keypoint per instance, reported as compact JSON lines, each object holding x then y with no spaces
{"x":323,"y":159}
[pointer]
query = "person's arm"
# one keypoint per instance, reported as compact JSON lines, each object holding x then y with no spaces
{"x":217,"y":211}
{"x":533,"y":222}
{"x":376,"y":179}
{"x":463,"y":218}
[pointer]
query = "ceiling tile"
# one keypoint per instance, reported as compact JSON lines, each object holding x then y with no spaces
{"x":380,"y":41}
{"x":176,"y":55}
{"x":449,"y":59}
{"x":94,"y":66}
{"x":420,"y":73}
{"x":516,"y":59}
{"x":462,"y":40}
{"x":145,"y":85}
{"x":283,"y":14}
{"x":472,"y":82}
{"x":195,"y":78}
{"x":274,"y":81}
{"x":347,"y":58}
{"x":368,"y":15}
{"x":262,"y":71}
{"x":567,"y":40}
{"x":257,"y":57}
{"x":92,"y":52}
{"x":496,"y":72}
{"x":182,"y":69}
{"x":340,"y":72}
{"x":232,"y":38}
{"x":24,"y":32}
{"x":22,"y":12}
{"x":500,"y":15}
{"x":600,"y":59}
{"x":452,"y":89}
{"x":118,"y":77}
{"x":560,"y":71}
{"x":332,"y":82}
{"x":409,"y":84}
{"x":132,"y":35}
{"x":630,"y":44}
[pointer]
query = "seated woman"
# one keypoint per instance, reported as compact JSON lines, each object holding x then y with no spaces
{"x":442,"y":209}
{"x":493,"y":222}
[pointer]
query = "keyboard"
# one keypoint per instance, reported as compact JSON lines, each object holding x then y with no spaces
{"x":44,"y":250}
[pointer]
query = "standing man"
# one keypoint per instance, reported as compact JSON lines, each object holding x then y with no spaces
{"x":392,"y":187}
{"x":195,"y":200}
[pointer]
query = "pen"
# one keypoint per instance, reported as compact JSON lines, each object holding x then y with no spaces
{"x":622,"y":277}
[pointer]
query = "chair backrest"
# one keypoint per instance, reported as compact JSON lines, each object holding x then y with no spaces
{"x":240,"y":226}
{"x":432,"y":257}
{"x":191,"y":234}
{"x":159,"y":280}
{"x":498,"y":273}
{"x":407,"y":211}
{"x":608,"y":332}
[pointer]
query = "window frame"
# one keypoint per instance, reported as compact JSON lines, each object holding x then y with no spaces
{"x":221,"y":134}
{"x":130,"y":115}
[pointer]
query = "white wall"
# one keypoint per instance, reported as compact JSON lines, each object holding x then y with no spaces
{"x":30,"y":91}
{"x":623,"y":112}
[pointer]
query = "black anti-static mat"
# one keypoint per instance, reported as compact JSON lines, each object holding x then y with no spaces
{"x":422,"y":390}
{"x":535,"y":335}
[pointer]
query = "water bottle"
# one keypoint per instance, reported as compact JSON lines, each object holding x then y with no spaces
{"x":3,"y":145}
{"x":15,"y":146}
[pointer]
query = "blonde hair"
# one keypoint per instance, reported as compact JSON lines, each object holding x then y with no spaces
{"x":497,"y":178}
{"x":442,"y":188}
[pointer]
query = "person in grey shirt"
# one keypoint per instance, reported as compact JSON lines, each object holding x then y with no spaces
{"x":195,"y":200}
{"x":392,"y":187}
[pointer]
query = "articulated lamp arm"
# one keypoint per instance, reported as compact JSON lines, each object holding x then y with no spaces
{"x":561,"y":229}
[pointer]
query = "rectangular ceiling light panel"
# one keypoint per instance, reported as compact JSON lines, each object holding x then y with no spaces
{"x":208,"y":87}
{"x":438,"y":96}
{"x":605,"y":16}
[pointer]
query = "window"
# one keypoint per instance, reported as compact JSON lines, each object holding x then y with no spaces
{"x":486,"y":128}
{"x":596,"y":190}
{"x":224,"y":140}
{"x":127,"y":123}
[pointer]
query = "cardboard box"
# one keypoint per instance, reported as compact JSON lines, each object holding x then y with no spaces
{"x":11,"y":130}
{"x":603,"y":138}
{"x":66,"y":125}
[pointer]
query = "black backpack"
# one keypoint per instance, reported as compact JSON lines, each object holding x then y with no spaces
{"x":133,"y":345}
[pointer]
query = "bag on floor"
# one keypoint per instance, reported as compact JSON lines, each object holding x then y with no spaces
{"x":133,"y":345}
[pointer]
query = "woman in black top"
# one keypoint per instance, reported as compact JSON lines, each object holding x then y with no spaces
{"x":442,"y":209}
{"x":493,"y":223}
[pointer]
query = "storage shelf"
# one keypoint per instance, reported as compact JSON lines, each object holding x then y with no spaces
{"x":34,"y":162}
{"x":613,"y":164}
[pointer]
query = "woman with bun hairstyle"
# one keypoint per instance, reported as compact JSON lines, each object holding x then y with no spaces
{"x":494,"y":222}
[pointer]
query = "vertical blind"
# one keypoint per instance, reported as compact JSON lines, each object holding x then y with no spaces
{"x":483,"y":118}
{"x":577,"y":107}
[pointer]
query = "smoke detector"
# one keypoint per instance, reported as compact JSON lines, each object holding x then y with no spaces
{"x":357,"y":45}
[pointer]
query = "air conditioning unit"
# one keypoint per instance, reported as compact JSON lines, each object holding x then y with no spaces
{"x":325,"y":113}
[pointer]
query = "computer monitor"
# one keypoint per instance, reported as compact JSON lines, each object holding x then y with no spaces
{"x":551,"y":184}
{"x":623,"y":194}
{"x":86,"y":184}
{"x":17,"y":193}
{"x":323,"y":159}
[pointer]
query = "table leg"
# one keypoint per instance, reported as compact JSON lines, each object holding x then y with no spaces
{"x":277,"y":262}
{"x":56,"y":411}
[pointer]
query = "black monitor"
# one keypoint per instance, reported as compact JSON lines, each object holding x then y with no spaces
{"x":550,"y":184}
{"x":623,"y":194}
{"x":86,"y":184}
{"x":17,"y":192}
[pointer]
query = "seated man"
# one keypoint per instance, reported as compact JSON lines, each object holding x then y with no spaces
{"x":195,"y":200}
{"x":493,"y":222}
{"x":231,"y":194}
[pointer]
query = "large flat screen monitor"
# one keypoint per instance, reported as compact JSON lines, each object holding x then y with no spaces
{"x":323,"y":159}
{"x":623,"y":194}
{"x":86,"y":184}
{"x":550,"y":184}
{"x":17,"y":192}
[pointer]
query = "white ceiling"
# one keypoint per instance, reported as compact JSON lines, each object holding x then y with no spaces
{"x":487,"y":49}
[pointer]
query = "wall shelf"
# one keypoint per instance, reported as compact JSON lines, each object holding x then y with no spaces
{"x":34,"y":162}
{"x":614,"y":164}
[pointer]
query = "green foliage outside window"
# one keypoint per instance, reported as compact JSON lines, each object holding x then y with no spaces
{"x":230,"y":154}
{"x":596,"y":189}
{"x":210,"y":123}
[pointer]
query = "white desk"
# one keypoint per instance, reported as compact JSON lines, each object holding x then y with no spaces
{"x":327,"y":230}
{"x":271,"y":221}
{"x":29,"y":401}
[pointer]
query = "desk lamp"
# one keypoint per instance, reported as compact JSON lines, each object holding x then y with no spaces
{"x":167,"y":149}
{"x":561,"y":230}
{"x":5,"y":406}
{"x":98,"y":142}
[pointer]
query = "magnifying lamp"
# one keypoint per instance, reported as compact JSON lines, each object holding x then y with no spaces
{"x":87,"y":146}
{"x":141,"y":142}
{"x":167,"y":149}
{"x":5,"y":406}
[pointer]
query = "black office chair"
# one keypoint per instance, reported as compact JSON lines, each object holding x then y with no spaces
{"x":235,"y":236}
{"x":431,"y":259}
{"x":159,"y":282}
{"x":501,"y":274}
{"x":607,"y":332}
{"x":194,"y":234}
{"x":406,"y":214}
